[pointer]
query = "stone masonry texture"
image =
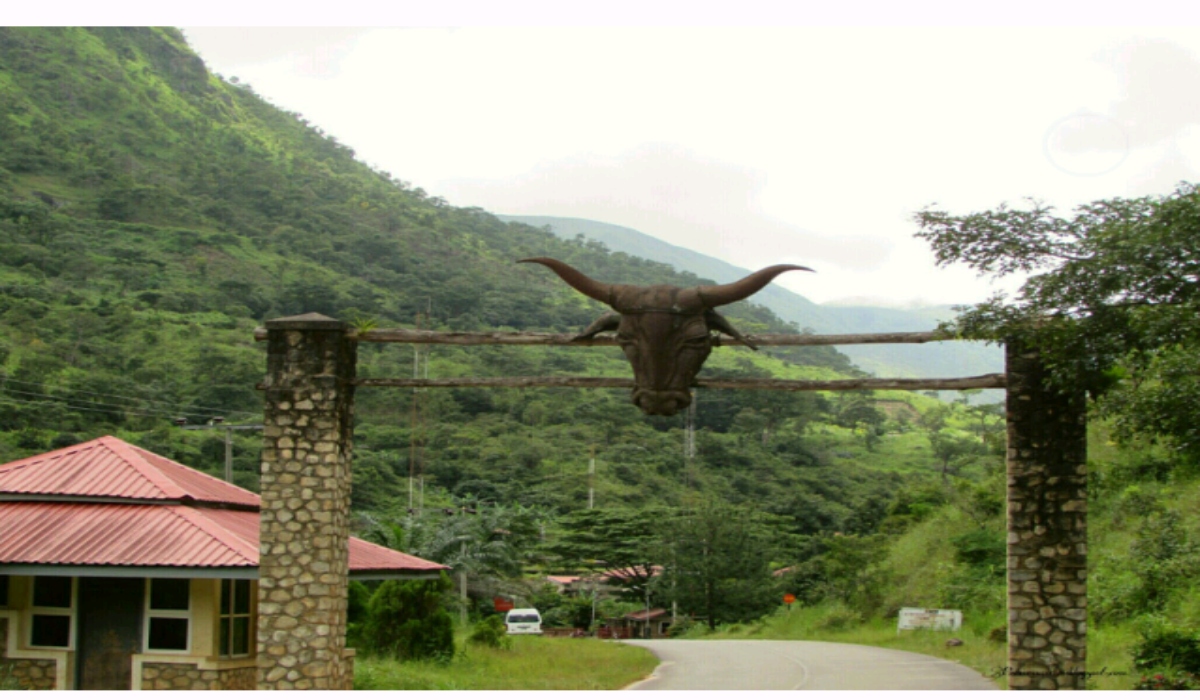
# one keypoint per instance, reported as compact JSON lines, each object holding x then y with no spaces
{"x":30,"y":674}
{"x":304,"y":526}
{"x":1047,"y":528}
{"x":163,"y":676}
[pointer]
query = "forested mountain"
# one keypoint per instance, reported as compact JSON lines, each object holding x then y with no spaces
{"x":949,"y":359}
{"x":152,"y":214}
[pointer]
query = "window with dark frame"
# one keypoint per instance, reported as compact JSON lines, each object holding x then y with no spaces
{"x":168,"y":614}
{"x":50,"y":614}
{"x":235,"y":618}
{"x":3,"y":590}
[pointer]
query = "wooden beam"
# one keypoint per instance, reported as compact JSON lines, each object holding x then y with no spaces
{"x":404,"y":335}
{"x":986,"y":381}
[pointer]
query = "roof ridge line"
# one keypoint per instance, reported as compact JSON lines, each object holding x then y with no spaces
{"x":143,"y":466}
{"x":191,"y":470}
{"x":220,"y":534}
{"x":52,"y":454}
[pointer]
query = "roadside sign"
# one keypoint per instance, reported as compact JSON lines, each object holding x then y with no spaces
{"x":789,"y":598}
{"x":502,"y":604}
{"x":917,"y":618}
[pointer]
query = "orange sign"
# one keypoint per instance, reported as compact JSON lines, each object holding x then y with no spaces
{"x":501,"y":604}
{"x":789,"y":598}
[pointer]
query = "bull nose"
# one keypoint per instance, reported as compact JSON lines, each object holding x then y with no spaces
{"x":661,"y":403}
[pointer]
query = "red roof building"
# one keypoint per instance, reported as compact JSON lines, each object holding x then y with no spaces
{"x":104,"y":526}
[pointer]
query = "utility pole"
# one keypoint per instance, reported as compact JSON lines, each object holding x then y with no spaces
{"x":592,"y":478}
{"x":217,"y":424}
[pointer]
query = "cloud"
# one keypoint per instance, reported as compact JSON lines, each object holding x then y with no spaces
{"x":314,"y":51}
{"x":671,"y":193}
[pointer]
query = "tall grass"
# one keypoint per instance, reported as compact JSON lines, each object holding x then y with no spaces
{"x":533,"y":663}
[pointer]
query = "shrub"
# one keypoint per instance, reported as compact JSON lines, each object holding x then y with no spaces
{"x":408,"y":620}
{"x":1159,"y":681}
{"x":839,"y":617}
{"x":491,"y":632}
{"x":1169,"y":648}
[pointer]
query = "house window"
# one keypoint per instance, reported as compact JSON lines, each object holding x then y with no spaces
{"x":3,"y":590}
{"x":50,"y":614}
{"x":235,"y":617}
{"x":168,"y":614}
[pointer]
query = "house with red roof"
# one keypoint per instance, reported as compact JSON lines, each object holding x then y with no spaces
{"x":122,"y":569}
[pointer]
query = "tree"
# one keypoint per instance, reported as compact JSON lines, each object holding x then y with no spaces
{"x":611,"y":539}
{"x":857,"y":412}
{"x":1112,"y":303}
{"x":716,"y":562}
{"x":953,"y":452}
{"x":408,"y":620}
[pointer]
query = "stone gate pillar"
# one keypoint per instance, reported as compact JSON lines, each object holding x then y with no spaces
{"x":1047,"y":528}
{"x":304,"y":528}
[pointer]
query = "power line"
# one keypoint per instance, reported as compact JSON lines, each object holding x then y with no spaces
{"x":106,"y":407}
{"x":27,"y":402}
{"x":9,"y":380}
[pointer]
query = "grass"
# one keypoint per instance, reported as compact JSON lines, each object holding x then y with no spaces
{"x":835,"y":623}
{"x":533,"y":663}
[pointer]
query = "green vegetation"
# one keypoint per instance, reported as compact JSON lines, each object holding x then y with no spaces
{"x":533,"y":663}
{"x":153,"y":214}
{"x":408,"y":620}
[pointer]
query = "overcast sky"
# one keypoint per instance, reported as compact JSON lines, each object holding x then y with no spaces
{"x":756,"y":145}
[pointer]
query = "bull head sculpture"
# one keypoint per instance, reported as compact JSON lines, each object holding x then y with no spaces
{"x":664,"y":330}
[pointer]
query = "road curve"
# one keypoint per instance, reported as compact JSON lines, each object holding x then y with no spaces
{"x":791,"y":665}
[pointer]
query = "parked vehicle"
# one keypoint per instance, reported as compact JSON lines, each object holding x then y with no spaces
{"x":523,"y":621}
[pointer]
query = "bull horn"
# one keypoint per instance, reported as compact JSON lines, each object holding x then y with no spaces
{"x":581,"y":282}
{"x":721,"y":294}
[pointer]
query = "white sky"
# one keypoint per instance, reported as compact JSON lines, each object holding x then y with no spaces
{"x":756,"y":145}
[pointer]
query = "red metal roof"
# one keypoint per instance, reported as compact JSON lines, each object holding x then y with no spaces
{"x":136,"y":533}
{"x":103,"y":534}
{"x":646,"y":614}
{"x":111,"y":468}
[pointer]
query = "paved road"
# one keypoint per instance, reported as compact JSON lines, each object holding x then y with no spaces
{"x":791,"y":665}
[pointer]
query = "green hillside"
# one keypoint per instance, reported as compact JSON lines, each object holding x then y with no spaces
{"x":152,"y":214}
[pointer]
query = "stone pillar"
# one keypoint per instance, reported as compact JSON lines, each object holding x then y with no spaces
{"x":304,"y":529}
{"x":1047,"y":528}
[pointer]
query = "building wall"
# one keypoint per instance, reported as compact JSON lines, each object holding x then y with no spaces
{"x":184,"y":676}
{"x":30,"y":674}
{"x":43,"y":669}
{"x":198,"y":669}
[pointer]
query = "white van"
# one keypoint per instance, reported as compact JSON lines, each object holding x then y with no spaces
{"x":523,"y":621}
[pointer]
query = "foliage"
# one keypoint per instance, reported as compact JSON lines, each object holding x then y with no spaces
{"x":1112,"y":302}
{"x":1167,"y":648}
{"x":617,"y":540}
{"x":408,"y":620}
{"x":715,"y":560}
{"x":1159,"y":681}
{"x":491,"y":632}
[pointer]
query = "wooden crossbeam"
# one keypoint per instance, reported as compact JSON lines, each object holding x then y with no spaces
{"x":986,"y":381}
{"x":404,"y":335}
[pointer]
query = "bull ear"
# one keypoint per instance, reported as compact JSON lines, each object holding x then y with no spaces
{"x":607,"y":322}
{"x":582,"y":283}
{"x":722,"y":294}
{"x":717,"y":322}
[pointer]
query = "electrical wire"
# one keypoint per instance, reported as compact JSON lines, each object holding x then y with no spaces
{"x":168,"y":404}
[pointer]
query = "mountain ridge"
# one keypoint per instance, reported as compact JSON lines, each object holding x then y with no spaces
{"x":929,"y":360}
